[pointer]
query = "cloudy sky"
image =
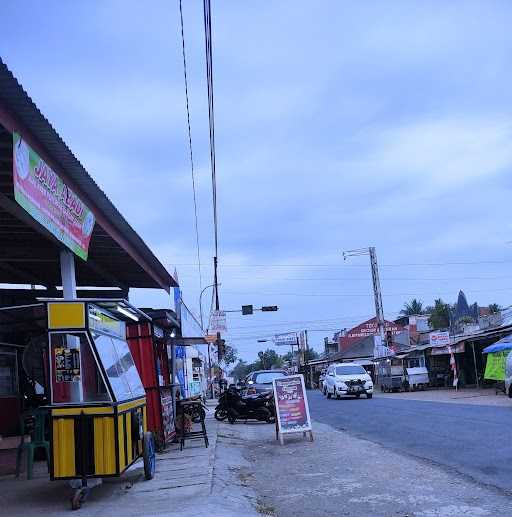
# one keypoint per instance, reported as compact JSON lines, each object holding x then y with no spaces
{"x":339,"y":125}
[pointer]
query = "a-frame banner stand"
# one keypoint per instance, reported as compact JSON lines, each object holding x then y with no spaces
{"x":292,"y":410}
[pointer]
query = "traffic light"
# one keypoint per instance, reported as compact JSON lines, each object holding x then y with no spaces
{"x":270,"y":308}
{"x":247,"y":309}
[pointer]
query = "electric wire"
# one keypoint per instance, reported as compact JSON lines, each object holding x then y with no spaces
{"x":190,"y":148}
{"x":211,"y":123}
{"x":363,"y":295}
{"x":404,"y":264}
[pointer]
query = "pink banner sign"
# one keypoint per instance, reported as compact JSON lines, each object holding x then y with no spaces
{"x":47,"y":198}
{"x":291,"y":404}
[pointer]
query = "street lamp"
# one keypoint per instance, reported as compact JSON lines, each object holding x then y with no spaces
{"x":201,"y":304}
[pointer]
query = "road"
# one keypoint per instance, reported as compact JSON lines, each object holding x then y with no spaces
{"x":472,"y":440}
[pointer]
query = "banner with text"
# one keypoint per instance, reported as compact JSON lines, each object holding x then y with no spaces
{"x":439,"y":338}
{"x":291,"y":402}
{"x":45,"y":196}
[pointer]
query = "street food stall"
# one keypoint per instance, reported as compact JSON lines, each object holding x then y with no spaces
{"x":391,"y":374}
{"x":148,"y":345}
{"x":97,"y":404}
{"x":497,"y":356}
{"x":402,"y":372}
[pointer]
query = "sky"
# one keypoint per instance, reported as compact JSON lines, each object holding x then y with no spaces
{"x":339,"y":125}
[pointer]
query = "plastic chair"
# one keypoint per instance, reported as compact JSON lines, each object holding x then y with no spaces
{"x":33,"y":422}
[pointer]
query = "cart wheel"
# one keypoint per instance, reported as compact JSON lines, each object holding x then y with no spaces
{"x":149,"y":456}
{"x":79,"y":497}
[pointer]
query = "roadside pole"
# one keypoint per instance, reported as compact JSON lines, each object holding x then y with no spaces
{"x":474,"y":362}
{"x":309,"y":376}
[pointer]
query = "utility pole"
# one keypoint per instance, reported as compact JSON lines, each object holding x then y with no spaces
{"x":377,"y":295}
{"x":309,"y":376}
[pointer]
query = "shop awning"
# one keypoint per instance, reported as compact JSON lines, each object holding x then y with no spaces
{"x":29,"y":253}
{"x":500,"y":346}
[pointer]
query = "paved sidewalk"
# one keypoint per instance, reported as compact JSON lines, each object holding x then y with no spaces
{"x":340,"y":475}
{"x":482,"y":397}
{"x":197,"y":481}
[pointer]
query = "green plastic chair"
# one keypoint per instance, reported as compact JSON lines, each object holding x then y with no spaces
{"x":34,"y":424}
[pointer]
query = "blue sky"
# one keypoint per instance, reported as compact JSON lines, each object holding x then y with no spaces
{"x":339,"y":125}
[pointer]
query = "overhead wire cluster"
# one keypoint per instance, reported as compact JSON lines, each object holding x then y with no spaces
{"x":211,"y":122}
{"x":190,"y":148}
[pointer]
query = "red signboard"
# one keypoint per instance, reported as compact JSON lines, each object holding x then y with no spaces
{"x":291,"y":404}
{"x":368,"y":328}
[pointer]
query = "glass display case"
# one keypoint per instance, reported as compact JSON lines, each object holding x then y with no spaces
{"x":98,"y":406}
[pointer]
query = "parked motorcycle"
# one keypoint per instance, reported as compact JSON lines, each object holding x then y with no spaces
{"x":233,"y":406}
{"x":221,"y":410}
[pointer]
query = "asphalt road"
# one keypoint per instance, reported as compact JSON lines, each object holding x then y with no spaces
{"x":472,"y":440}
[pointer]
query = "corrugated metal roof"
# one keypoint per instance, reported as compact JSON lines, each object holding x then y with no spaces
{"x":18,"y":103}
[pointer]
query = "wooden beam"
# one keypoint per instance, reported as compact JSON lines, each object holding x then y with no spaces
{"x":23,"y":276}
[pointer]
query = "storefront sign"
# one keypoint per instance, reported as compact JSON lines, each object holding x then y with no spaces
{"x":100,"y":320}
{"x":291,"y":404}
{"x":217,"y":322}
{"x":368,"y":328}
{"x":442,"y":350}
{"x":67,"y":365}
{"x":285,"y":339}
{"x":45,"y":196}
{"x":167,"y":417}
{"x":441,"y":338}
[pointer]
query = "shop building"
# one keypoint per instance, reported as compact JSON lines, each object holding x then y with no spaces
{"x":59,"y":232}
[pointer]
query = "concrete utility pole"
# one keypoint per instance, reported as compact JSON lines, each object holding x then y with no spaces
{"x":379,"y":309}
{"x":377,"y":295}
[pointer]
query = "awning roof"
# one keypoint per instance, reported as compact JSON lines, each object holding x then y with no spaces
{"x":500,"y":346}
{"x":29,"y":253}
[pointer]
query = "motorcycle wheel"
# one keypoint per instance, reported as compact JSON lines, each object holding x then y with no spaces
{"x":221,"y":414}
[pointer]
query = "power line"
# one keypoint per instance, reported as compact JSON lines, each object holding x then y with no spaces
{"x":365,"y":278}
{"x":405,"y":264}
{"x":362,"y":295}
{"x":211,"y":123}
{"x":190,"y":147}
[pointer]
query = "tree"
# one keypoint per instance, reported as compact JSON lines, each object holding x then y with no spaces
{"x":413,"y":307}
{"x":439,"y":314}
{"x":494,"y":308}
{"x":269,"y":359}
{"x":240,"y":371}
{"x":230,"y":355}
{"x":311,"y":355}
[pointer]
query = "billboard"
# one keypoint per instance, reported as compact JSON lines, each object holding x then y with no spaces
{"x":368,"y":328}
{"x":287,"y":339}
{"x":49,"y":200}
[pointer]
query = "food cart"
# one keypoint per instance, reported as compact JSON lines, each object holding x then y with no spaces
{"x":392,"y":376}
{"x":97,"y":409}
{"x":148,"y":345}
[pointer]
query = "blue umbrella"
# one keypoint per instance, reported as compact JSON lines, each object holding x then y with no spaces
{"x":500,"y":346}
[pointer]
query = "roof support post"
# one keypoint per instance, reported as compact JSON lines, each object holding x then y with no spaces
{"x":67,"y":273}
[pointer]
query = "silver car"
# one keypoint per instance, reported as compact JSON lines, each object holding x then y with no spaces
{"x":261,"y":381}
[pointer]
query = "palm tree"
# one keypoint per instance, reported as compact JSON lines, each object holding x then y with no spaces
{"x":494,"y":308}
{"x":412,"y":308}
{"x":439,"y":315}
